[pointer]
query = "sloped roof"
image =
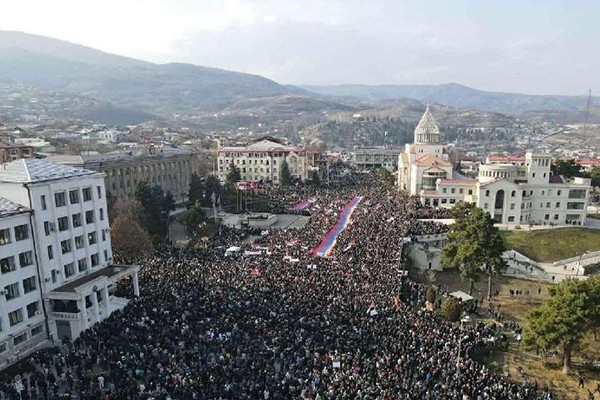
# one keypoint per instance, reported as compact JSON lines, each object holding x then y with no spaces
{"x":427,"y":124}
{"x":434,"y":169}
{"x":35,"y":170}
{"x":7,"y":208}
{"x":430,"y":159}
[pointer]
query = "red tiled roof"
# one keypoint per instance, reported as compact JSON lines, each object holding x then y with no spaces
{"x":430,"y":159}
{"x":588,"y":161}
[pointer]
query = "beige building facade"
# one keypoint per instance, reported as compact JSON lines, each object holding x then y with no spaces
{"x":169,"y":168}
{"x":261,"y":160}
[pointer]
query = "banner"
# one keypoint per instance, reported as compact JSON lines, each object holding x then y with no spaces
{"x":326,"y":246}
{"x":303,"y":204}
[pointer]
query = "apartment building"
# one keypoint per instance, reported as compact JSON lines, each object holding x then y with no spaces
{"x":22,"y":322}
{"x":71,"y":237}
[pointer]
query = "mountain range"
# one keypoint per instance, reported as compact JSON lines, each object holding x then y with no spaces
{"x":456,"y":95}
{"x":139,"y":90}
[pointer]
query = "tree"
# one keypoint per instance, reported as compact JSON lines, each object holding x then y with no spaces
{"x":474,"y":244}
{"x":211,"y":185}
{"x":155,"y":210}
{"x":594,"y":174}
{"x":169,"y":202}
{"x":286,"y":176}
{"x":129,"y":239}
{"x":234,"y":175}
{"x":196,"y":189}
{"x":564,"y":318}
{"x":315,"y":179}
{"x":567,"y":168}
{"x":193,"y":219}
{"x":451,"y":309}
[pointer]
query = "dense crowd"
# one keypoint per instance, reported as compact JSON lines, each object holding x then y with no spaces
{"x":282,"y":325}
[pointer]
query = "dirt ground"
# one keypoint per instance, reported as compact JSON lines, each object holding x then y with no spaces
{"x":547,"y":373}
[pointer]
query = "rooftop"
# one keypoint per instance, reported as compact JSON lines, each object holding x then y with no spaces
{"x":265,"y":144}
{"x":34,"y":170}
{"x":118,"y":156}
{"x":502,"y":158}
{"x":109,"y":272}
{"x":8,"y":208}
{"x":427,"y":125}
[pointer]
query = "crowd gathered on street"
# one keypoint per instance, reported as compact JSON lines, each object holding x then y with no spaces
{"x":282,"y":324}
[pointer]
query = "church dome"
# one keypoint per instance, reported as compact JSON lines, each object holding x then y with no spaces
{"x":427,"y":131}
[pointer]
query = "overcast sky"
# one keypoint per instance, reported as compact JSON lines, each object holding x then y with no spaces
{"x":540,"y":47}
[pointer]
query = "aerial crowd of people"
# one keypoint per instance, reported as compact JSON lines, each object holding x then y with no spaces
{"x":282,"y":324}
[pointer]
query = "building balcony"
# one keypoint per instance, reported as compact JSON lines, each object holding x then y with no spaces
{"x":65,"y":316}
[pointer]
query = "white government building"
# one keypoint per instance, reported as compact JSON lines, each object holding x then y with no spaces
{"x":514,"y":190}
{"x":58,"y":276}
{"x":261,"y":160}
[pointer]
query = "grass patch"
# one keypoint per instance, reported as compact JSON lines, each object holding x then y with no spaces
{"x":551,"y":245}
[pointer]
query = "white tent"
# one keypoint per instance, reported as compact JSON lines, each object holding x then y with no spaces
{"x":462,"y":296}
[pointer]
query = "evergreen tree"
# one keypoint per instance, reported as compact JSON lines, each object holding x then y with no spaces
{"x":315,"y":179}
{"x":564,"y":318}
{"x":169,"y":203}
{"x":155,"y":210}
{"x":286,"y":176}
{"x":474,"y":244}
{"x":567,"y":168}
{"x":594,"y":174}
{"x":234,"y":175}
{"x":193,"y":219}
{"x":196,"y":189}
{"x":211,"y":185}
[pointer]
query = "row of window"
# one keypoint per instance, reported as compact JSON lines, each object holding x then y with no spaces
{"x":13,"y":290}
{"x":66,"y":245}
{"x":21,"y":233}
{"x":142,"y":169}
{"x":243,"y":162}
{"x":453,"y":191}
{"x":17,"y":316}
{"x":543,"y":193}
{"x":76,"y":221}
{"x":7,"y":264}
{"x":154,"y":180}
{"x":60,"y":198}
{"x":17,"y":340}
{"x":250,"y":155}
{"x":82,"y":265}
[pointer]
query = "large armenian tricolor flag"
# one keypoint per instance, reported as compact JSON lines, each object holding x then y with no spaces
{"x":328,"y":243}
